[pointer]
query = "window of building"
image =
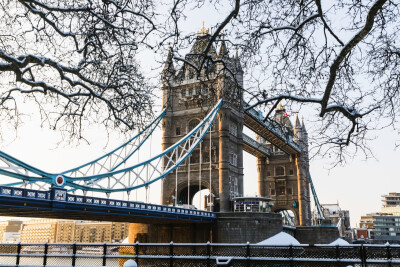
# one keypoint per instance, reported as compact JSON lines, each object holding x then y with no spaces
{"x":233,"y":159}
{"x":183,"y":93}
{"x":198,"y":90}
{"x":233,"y":184}
{"x":268,"y":173}
{"x":178,"y":130}
{"x":192,"y":124}
{"x":291,"y":172}
{"x":281,"y":187}
{"x":279,"y":171}
{"x":190,"y":91}
{"x":205,"y":90}
{"x":233,"y":128}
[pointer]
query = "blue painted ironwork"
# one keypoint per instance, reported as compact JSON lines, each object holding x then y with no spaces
{"x":320,"y":209}
{"x":115,"y":158}
{"x":116,"y":177}
{"x":59,"y":195}
{"x":287,"y":218}
{"x":272,"y":126}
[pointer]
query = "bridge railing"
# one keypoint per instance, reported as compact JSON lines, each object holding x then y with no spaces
{"x":272,"y":126}
{"x":197,"y":254}
{"x":250,"y":141}
{"x":88,"y":200}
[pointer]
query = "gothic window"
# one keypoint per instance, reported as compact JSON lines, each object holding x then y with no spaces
{"x":193,"y":123}
{"x":289,"y":191}
{"x":178,"y":130}
{"x":183,"y":93}
{"x":272,"y":189}
{"x":191,"y":75}
{"x":233,"y":159}
{"x":233,"y":184}
{"x":281,"y":187}
{"x":279,"y":171}
{"x":233,"y":128}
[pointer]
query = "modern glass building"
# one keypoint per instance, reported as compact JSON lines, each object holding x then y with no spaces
{"x":386,"y":228}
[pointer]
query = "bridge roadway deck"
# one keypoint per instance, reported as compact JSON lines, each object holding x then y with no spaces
{"x":34,"y":203}
{"x":270,"y":131}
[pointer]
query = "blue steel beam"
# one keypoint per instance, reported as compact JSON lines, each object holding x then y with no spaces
{"x":17,"y":169}
{"x":37,"y":203}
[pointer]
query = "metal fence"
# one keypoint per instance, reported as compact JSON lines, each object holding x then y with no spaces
{"x":209,"y":254}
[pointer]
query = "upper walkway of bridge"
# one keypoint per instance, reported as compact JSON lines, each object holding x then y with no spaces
{"x":268,"y":129}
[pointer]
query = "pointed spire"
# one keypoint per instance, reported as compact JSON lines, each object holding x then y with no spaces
{"x":169,"y":64}
{"x":223,"y":50}
{"x":203,"y":31}
{"x":303,"y":125}
{"x":280,"y":107}
{"x":297,"y":122}
{"x":237,"y":61}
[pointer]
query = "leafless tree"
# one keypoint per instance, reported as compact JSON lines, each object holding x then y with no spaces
{"x":76,"y":60}
{"x":340,"y":58}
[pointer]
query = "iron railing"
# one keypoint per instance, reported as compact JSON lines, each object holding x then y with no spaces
{"x":197,"y":254}
{"x":104,"y":202}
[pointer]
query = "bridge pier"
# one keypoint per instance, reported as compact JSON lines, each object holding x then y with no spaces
{"x":230,"y":227}
{"x":165,"y":233}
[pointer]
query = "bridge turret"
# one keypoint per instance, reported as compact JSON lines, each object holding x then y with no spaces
{"x":223,"y":50}
{"x":297,"y":130}
{"x":190,"y":91}
{"x":168,"y":71}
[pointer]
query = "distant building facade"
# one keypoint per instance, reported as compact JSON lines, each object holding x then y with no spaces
{"x":336,"y":216}
{"x":65,"y":231}
{"x":39,"y":231}
{"x":365,"y":231}
{"x":68,"y":231}
{"x":391,"y":204}
{"x":10,"y":231}
{"x":384,"y":226}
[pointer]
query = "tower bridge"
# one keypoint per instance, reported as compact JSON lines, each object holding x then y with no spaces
{"x":281,"y":149}
{"x":202,"y":148}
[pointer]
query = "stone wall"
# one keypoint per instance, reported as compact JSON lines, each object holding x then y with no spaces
{"x":246,"y":227}
{"x":316,"y":235}
{"x":165,"y":233}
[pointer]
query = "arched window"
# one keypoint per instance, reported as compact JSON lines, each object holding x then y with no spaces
{"x":193,"y":123}
{"x":279,"y":171}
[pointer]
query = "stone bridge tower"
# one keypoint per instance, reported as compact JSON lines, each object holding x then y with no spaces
{"x":218,"y":163}
{"x":284,"y":177}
